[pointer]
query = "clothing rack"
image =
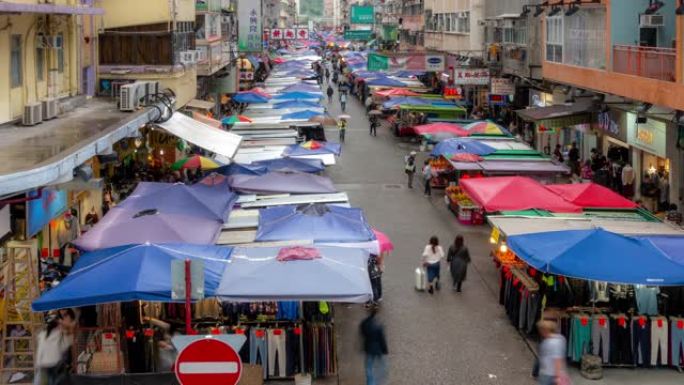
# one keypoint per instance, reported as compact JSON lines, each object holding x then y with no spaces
{"x":529,"y":283}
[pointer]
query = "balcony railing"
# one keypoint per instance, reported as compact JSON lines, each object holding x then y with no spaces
{"x":648,"y":62}
{"x":412,"y":22}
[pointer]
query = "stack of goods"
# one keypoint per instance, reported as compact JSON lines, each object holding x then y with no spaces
{"x":465,"y":209}
{"x":440,"y":168}
{"x":519,"y":294}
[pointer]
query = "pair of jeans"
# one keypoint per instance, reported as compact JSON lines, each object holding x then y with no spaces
{"x":677,"y":339}
{"x":428,"y":187}
{"x":658,"y":340}
{"x":580,"y":337}
{"x":376,"y":369}
{"x":257,"y":349}
{"x":641,"y":342}
{"x":410,"y":179}
{"x":546,"y":380}
{"x":600,"y":337}
{"x":620,"y":342}
{"x":432,"y":272}
{"x":276,"y":348}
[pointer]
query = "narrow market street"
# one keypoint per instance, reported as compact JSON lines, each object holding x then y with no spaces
{"x":448,"y":338}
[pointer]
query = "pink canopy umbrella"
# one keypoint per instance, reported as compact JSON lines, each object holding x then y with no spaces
{"x":383,"y":240}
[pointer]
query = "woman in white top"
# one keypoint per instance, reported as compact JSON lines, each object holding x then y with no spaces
{"x":432,"y":257}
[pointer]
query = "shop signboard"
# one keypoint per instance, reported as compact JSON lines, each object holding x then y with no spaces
{"x":289,"y":34}
{"x":416,"y":62}
{"x":502,"y":86}
{"x":361,"y":14}
{"x":249,"y":33}
{"x":606,"y":123}
{"x":471,"y":76}
{"x":302,"y":34}
{"x":390,"y":32}
{"x":355,"y":34}
{"x":40,"y":211}
{"x":208,"y":360}
{"x":453,"y":93}
{"x":498,"y":100}
{"x":434,"y":63}
{"x":650,"y":136}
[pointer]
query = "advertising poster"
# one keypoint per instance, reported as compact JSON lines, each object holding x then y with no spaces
{"x":249,"y":33}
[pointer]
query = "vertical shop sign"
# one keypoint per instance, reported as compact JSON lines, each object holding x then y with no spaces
{"x":250,"y":33}
{"x":40,"y":211}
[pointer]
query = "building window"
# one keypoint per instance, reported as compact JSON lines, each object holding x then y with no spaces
{"x":585,"y":39}
{"x":60,"y":53}
{"x":515,"y":33}
{"x":40,"y":61}
{"x":464,"y":22}
{"x":17,"y":77}
{"x":554,"y":39}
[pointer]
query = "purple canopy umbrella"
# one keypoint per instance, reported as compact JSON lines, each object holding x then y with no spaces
{"x":201,"y":200}
{"x":282,"y":182}
{"x":124,"y":226}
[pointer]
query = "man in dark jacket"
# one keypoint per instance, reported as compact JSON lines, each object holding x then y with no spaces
{"x":375,"y":346}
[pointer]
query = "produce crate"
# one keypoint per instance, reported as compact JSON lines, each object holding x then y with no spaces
{"x":470,"y":215}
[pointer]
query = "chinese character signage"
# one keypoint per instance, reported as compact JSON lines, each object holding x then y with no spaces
{"x":451,"y":92}
{"x":414,"y":62}
{"x":471,"y":76}
{"x":276,"y":34}
{"x":362,"y":14}
{"x":289,"y":34}
{"x":502,"y":86}
{"x":250,"y":34}
{"x":363,"y":35}
{"x":650,"y":136}
{"x":302,"y":34}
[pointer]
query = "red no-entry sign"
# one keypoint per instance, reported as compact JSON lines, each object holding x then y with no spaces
{"x":208,"y":361}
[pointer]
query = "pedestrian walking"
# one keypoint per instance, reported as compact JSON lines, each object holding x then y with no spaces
{"x":458,"y":258}
{"x":375,"y":275}
{"x":343,"y":101}
{"x":368,"y":103}
{"x":53,"y":344}
{"x":375,"y":347}
{"x":327,"y":75}
{"x":330,"y":93}
{"x":374,"y":126}
{"x":342,"y":126}
{"x":552,"y":353}
{"x":410,"y":167}
{"x":427,"y":177}
{"x":432,"y":258}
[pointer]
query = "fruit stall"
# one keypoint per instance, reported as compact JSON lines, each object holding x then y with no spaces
{"x":466,"y":211}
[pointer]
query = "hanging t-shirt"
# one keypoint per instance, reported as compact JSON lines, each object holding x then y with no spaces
{"x":647,"y":299}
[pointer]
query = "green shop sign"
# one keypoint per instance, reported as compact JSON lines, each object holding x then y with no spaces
{"x":390,"y":32}
{"x":358,"y":34}
{"x":362,"y":14}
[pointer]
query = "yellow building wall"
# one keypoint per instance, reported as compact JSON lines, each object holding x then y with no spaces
{"x":54,"y":83}
{"x":56,"y":2}
{"x":183,"y":84}
{"x":127,"y":13}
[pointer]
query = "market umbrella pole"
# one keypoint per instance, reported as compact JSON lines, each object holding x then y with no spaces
{"x":188,"y":296}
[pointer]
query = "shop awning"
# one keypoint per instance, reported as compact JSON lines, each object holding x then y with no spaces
{"x":517,"y":225}
{"x":202,"y":135}
{"x":562,"y":115}
{"x":131,"y":273}
{"x":254,"y":274}
{"x":282,"y":182}
{"x":599,"y":255}
{"x":523,"y":167}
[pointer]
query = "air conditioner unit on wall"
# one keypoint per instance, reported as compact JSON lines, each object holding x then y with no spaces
{"x":651,"y":21}
{"x":33,"y":114}
{"x":128,"y":97}
{"x":49,"y":108}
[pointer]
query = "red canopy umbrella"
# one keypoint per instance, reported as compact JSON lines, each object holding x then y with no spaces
{"x":513,"y":193}
{"x":465,"y":157}
{"x":396,"y":92}
{"x":591,"y":195}
{"x":441,"y":128}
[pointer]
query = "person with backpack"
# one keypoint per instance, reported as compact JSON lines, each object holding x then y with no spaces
{"x":330,"y":93}
{"x":410,"y":167}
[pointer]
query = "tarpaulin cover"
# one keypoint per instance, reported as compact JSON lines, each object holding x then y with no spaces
{"x":211,"y":202}
{"x":301,"y":115}
{"x":510,"y":193}
{"x":282,"y":182}
{"x":130,"y":273}
{"x":121,"y":226}
{"x":324,"y":148}
{"x":302,"y":87}
{"x":598,"y":255}
{"x":254,"y":274}
{"x":298,"y":95}
{"x":462,"y":146}
{"x":249,"y":98}
{"x":405,"y":100}
{"x":241,"y":169}
{"x":396,"y":92}
{"x":591,"y":195}
{"x":314,"y":222}
{"x":209,"y":138}
{"x":295,"y":103}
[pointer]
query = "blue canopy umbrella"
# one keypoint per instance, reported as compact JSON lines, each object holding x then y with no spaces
{"x":385,"y":82}
{"x":315,"y":222}
{"x":405,"y":100}
{"x":598,"y":255}
{"x":462,"y":146}
{"x":301,"y":115}
{"x":250,"y":98}
{"x":296,"y":103}
{"x":240,"y":169}
{"x":298,"y":95}
{"x":291,"y":164}
{"x":131,"y":273}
